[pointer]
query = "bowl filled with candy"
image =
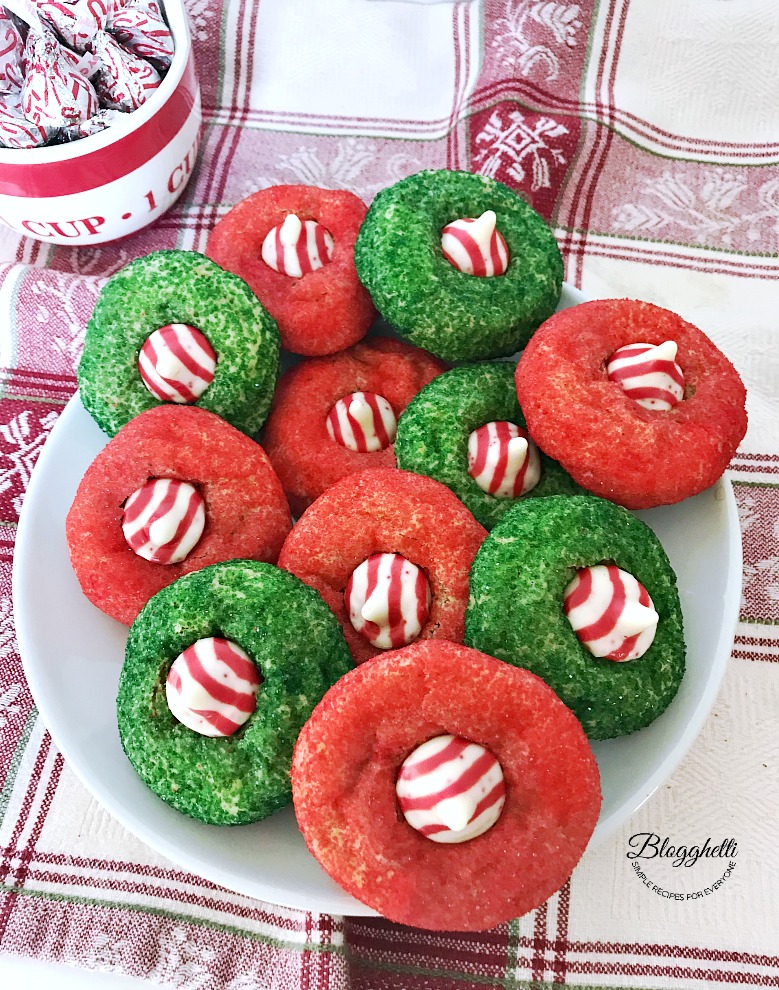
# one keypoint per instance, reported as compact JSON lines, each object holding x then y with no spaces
{"x":99,"y":116}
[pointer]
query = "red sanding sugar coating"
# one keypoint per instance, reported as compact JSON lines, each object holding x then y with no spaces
{"x":350,"y":751}
{"x":323,"y":311}
{"x":306,"y":458}
{"x":387,"y":511}
{"x":605,"y":440}
{"x":246,"y":513}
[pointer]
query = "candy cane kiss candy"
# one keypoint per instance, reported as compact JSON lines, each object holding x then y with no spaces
{"x":388,"y":599}
{"x":503,"y":460}
{"x":54,"y":93}
{"x":611,"y":612}
{"x":123,"y":81}
{"x":450,"y":789}
{"x":475,"y":246}
{"x":139,"y":27}
{"x":363,"y":422}
{"x":297,"y":246}
{"x":11,"y":55}
{"x":177,"y":363}
{"x":648,"y":374}
{"x":212,"y":687}
{"x":163,"y":520}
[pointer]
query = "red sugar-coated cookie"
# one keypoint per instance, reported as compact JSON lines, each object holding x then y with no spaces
{"x":247,"y":515}
{"x":323,"y":311}
{"x":346,"y":763}
{"x":387,"y":511}
{"x":605,"y":440}
{"x":306,"y":458}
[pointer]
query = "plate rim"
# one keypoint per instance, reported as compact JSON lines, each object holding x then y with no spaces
{"x":342,"y":902}
{"x":179,"y":855}
{"x":734,"y":584}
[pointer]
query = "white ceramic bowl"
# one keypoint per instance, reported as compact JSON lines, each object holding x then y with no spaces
{"x":115,"y":182}
{"x":72,"y":656}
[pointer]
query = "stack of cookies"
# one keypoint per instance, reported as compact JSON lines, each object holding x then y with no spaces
{"x":465,"y":600}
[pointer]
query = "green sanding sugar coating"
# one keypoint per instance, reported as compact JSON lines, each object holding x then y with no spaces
{"x":179,"y":287}
{"x":433,"y":435}
{"x":299,"y":648}
{"x":515,"y":611}
{"x":456,"y":316}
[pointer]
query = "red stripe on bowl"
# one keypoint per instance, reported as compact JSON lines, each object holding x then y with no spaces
{"x":106,"y":164}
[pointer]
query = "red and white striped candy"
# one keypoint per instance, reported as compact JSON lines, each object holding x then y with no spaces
{"x":123,"y":80}
{"x":362,"y":421}
{"x":451,"y":790}
{"x":11,"y":55}
{"x":503,"y":460}
{"x":139,"y":27}
{"x":475,"y":246}
{"x":16,"y":131}
{"x":648,"y":374}
{"x":177,"y":363}
{"x":163,"y":520}
{"x":54,"y":92}
{"x":388,"y":600}
{"x":297,"y":247}
{"x":212,"y":687}
{"x":611,"y":612}
{"x":75,"y":21}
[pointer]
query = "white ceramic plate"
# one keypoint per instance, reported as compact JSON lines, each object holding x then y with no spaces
{"x":72,"y":656}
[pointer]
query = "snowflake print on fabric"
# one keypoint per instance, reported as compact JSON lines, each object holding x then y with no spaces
{"x":244,"y":982}
{"x":58,"y":305}
{"x":355,"y":166}
{"x":182,"y":962}
{"x":96,"y":262}
{"x":515,"y":48}
{"x":760,"y":532}
{"x":528,"y":151}
{"x":7,"y":634}
{"x":706,"y":206}
{"x":21,"y":440}
{"x":522,"y":150}
{"x":8,"y":706}
{"x":10,"y":693}
{"x":761,"y":580}
{"x":748,"y":513}
{"x":107,"y":953}
{"x":200,"y":13}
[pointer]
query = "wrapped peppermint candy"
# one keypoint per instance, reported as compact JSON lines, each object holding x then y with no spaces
{"x":85,"y":64}
{"x":139,"y":27}
{"x":11,"y":54}
{"x":124,"y":81}
{"x":71,"y":77}
{"x":101,"y":120}
{"x":15,"y":130}
{"x":54,"y":92}
{"x":75,"y":21}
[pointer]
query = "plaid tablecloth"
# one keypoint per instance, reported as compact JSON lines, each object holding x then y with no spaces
{"x":647,"y":133}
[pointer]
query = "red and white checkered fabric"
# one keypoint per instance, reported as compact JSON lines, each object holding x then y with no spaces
{"x":647,"y":135}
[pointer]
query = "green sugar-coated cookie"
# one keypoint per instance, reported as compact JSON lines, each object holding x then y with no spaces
{"x":434,"y":430}
{"x":456,"y":316}
{"x":292,"y":637}
{"x":179,"y":287}
{"x":515,"y":610}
